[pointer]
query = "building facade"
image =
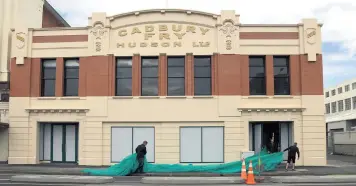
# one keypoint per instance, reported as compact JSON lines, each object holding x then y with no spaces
{"x":20,"y":14}
{"x":340,"y":107}
{"x":199,"y":87}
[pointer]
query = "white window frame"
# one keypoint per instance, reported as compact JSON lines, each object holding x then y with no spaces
{"x":201,"y":141}
{"x":132,"y":142}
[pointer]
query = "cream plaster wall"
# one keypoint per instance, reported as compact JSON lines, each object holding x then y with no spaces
{"x":18,"y":14}
{"x":233,"y":112}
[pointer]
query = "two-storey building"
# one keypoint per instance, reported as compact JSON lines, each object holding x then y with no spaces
{"x":199,"y":87}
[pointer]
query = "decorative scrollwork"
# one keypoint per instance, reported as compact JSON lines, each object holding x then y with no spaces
{"x":98,"y":32}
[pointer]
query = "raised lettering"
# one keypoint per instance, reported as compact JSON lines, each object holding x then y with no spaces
{"x":135,"y":30}
{"x":132,"y":45}
{"x":195,"y":45}
{"x":204,"y":44}
{"x":120,"y":45}
{"x":177,"y":44}
{"x":174,"y":28}
{"x":149,"y":28}
{"x":163,"y":28}
{"x":122,"y":33}
{"x":165,"y":44}
{"x":204,"y":30}
{"x":143,"y":44}
{"x":191,"y":29}
{"x":179,"y":35}
{"x":163,"y":35}
{"x":148,"y":35}
{"x":154,"y":44}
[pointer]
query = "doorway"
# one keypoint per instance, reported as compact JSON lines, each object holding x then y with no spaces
{"x":274,"y":136}
{"x":59,"y":142}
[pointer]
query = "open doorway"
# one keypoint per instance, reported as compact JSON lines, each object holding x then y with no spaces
{"x":275,"y":136}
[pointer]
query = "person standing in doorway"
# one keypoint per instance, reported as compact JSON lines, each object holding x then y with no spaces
{"x":292,"y":151}
{"x":141,"y":152}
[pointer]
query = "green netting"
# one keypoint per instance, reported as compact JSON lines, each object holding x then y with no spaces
{"x":129,"y":165}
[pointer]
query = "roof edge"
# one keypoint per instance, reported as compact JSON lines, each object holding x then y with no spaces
{"x":55,"y":13}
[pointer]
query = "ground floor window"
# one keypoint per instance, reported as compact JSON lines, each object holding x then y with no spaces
{"x":202,"y":144}
{"x":124,"y":141}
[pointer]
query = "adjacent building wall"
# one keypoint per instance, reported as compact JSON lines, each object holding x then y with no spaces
{"x":344,"y":143}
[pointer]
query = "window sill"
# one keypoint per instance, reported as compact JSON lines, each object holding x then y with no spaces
{"x":283,"y":96}
{"x":257,"y":97}
{"x":122,"y":97}
{"x":46,"y":98}
{"x":149,"y":97}
{"x":203,"y":97}
{"x":176,"y":97}
{"x":70,"y":98}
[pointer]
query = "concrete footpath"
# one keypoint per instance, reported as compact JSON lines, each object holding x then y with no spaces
{"x":62,"y":179}
{"x":313,"y":179}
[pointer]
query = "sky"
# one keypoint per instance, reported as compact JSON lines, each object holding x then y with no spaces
{"x":338,"y":17}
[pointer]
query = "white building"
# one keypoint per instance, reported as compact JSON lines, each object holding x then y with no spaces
{"x":340,"y":107}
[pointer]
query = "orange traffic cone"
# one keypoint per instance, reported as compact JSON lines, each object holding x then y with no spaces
{"x":243,"y":170}
{"x":250,"y":177}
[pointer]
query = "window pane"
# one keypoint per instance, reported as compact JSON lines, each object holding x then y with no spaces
{"x":141,"y":134}
{"x":280,"y":71}
{"x":123,"y":72}
{"x":121,"y":143}
{"x":213,"y":144}
{"x":124,"y":63}
{"x":175,"y":72}
{"x":124,"y":87}
{"x":150,"y":72}
{"x":48,"y":87}
{"x":202,"y":86}
{"x":71,"y":87}
{"x":257,"y":86}
{"x":257,"y":71}
{"x":202,"y":61}
{"x":176,"y":61}
{"x":257,"y":61}
{"x":281,"y":86}
{"x":190,"y":145}
{"x":280,"y":61}
{"x":202,"y":72}
{"x":49,"y":73}
{"x":72,"y":72}
{"x":71,"y":63}
{"x":176,"y":87}
{"x":148,"y":62}
{"x":51,"y":63}
{"x":149,"y":87}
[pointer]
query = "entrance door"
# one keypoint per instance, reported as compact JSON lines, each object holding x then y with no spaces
{"x":286,"y":136}
{"x":257,"y":137}
{"x":64,"y":143}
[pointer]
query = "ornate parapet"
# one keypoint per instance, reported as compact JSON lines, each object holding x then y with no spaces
{"x":228,"y":32}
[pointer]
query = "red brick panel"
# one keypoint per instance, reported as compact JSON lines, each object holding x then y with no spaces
{"x":229,"y":71}
{"x":36,"y":73}
{"x":189,"y":74}
{"x":97,"y":75}
{"x":20,"y":78}
{"x":136,"y":75}
{"x":214,"y":74}
{"x":82,"y":77}
{"x":112,"y":75}
{"x":269,"y":35}
{"x":162,"y":76}
{"x":60,"y":38}
{"x":311,"y":76}
{"x":59,"y":77}
{"x":49,"y":20}
{"x":269,"y":76}
{"x":245,"y":75}
{"x":294,"y":69}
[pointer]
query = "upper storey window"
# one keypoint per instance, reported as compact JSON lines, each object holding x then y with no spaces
{"x":123,"y":77}
{"x":48,"y":78}
{"x":149,"y":78}
{"x":257,"y":75}
{"x":71,"y":77}
{"x":176,"y":76}
{"x":281,"y":75}
{"x":202,"y":75}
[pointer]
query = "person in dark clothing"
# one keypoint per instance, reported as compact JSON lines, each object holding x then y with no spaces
{"x":292,"y":151}
{"x":141,"y":152}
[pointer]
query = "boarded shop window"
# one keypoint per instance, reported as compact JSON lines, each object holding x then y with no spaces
{"x":124,"y":141}
{"x":71,"y":77}
{"x":333,"y":107}
{"x":48,"y":83}
{"x":327,"y":108}
{"x":202,"y":75}
{"x":348,"y":104}
{"x":149,"y":75}
{"x":340,"y":105}
{"x":123,"y":77}
{"x":202,"y":144}
{"x":281,"y":75}
{"x":176,"y":77}
{"x":257,"y":75}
